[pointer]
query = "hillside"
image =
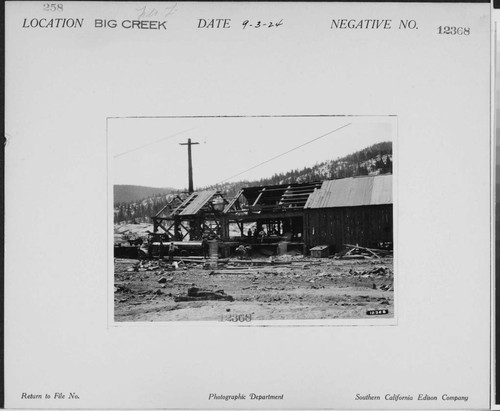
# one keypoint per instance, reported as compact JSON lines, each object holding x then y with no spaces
{"x":130,"y":194}
{"x":373,"y":160}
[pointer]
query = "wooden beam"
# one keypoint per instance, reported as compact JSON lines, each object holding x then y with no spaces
{"x":232,"y":202}
{"x":267,"y":216}
{"x":186,"y":201}
{"x":168,"y":204}
{"x":303,"y":191}
{"x":304,"y":187}
{"x":185,"y":227}
{"x":168,"y":229}
{"x":296,"y":195}
{"x":159,"y":224}
{"x":361,"y":248}
{"x":258,"y":197}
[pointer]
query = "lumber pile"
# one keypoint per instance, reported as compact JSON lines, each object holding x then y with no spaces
{"x":354,"y":252}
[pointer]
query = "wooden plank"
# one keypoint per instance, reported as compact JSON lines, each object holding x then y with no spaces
{"x":294,"y":195}
{"x":233,"y":272}
{"x":294,"y":188}
{"x":168,"y":204}
{"x":198,"y":202}
{"x":267,"y":216}
{"x":183,"y":202}
{"x":363,"y":248}
{"x":258,"y":197}
{"x":233,"y":202}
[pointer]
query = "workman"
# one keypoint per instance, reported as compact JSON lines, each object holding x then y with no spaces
{"x":160,"y":253}
{"x":204,"y":247}
{"x":171,"y":252}
{"x":262,"y":234}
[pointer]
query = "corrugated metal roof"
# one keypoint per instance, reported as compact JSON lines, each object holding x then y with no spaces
{"x":351,"y":192}
{"x":201,"y":198}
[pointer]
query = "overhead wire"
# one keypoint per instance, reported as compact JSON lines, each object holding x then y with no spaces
{"x":286,"y":152}
{"x":154,"y":142}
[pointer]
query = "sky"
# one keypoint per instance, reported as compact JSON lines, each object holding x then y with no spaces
{"x":147,"y":151}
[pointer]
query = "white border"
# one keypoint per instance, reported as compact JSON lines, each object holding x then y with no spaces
{"x":493,"y":145}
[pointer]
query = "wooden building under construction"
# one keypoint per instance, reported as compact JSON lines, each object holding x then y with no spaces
{"x":277,"y":211}
{"x":198,"y":215}
{"x":356,"y":210}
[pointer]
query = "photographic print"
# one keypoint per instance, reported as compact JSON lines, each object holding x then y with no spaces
{"x":248,"y":205}
{"x":252,"y":218}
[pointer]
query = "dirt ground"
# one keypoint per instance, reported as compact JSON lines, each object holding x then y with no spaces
{"x":287,"y":288}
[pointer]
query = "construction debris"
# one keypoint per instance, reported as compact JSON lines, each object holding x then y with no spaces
{"x":381,"y":270}
{"x":320,"y":251}
{"x":233,"y":272}
{"x":369,"y":252}
{"x":122,"y":289}
{"x":277,"y":287}
{"x":197,"y":294}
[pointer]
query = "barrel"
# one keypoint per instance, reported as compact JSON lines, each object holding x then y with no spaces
{"x":213,"y":249}
{"x":282,"y":247}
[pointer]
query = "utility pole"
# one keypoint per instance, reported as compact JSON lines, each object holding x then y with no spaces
{"x":190,"y":163}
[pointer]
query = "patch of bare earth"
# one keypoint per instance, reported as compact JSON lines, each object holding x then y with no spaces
{"x":323,"y":289}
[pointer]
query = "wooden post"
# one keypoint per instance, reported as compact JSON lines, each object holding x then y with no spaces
{"x":177,"y":232}
{"x":224,"y":221}
{"x":190,"y":164}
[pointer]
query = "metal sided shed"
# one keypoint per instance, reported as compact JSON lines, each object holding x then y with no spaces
{"x":356,"y":210}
